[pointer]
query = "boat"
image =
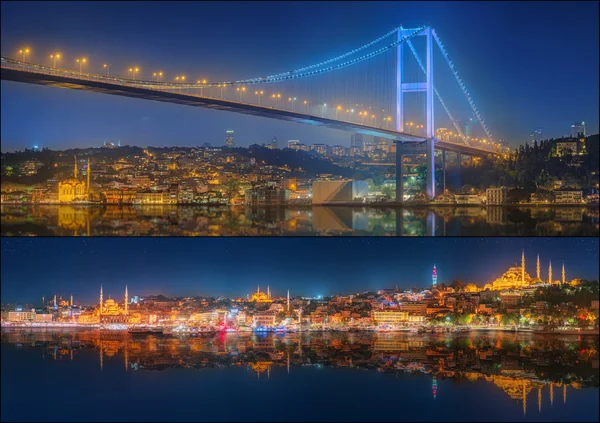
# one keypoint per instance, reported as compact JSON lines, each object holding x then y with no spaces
{"x":145,"y":330}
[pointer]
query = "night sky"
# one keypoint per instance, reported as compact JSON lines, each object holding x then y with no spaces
{"x":234,"y":266}
{"x":527,"y":64}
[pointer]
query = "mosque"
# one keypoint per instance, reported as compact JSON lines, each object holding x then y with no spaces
{"x":74,"y":189}
{"x":261,"y":297}
{"x":516,"y":277}
{"x":110,"y":311}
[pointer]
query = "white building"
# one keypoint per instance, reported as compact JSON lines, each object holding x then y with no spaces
{"x":331,"y":192}
{"x":496,"y":196}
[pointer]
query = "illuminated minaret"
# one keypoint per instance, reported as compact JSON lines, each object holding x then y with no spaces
{"x":538,"y":270}
{"x":43,"y":301}
{"x":100,"y":299}
{"x":75,"y":167}
{"x":89,"y":170}
{"x":268,"y":292}
{"x":126,"y":301}
{"x":550,"y":273}
{"x":71,"y":300}
{"x":55,"y":305}
{"x":523,"y":267}
{"x":288,"y":301}
{"x":563,"y":274}
{"x":434,"y":276}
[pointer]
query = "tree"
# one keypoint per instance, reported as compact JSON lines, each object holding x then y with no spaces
{"x":233,"y":187}
{"x":457,"y":285}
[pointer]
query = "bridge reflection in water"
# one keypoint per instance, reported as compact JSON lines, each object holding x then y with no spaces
{"x":518,"y":364}
{"x":66,"y":220}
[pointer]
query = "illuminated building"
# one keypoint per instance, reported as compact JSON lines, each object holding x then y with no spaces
{"x":264,"y":319}
{"x":550,"y":272}
{"x":536,"y":135}
{"x":514,"y":277}
{"x":434,"y":276}
{"x":73,"y":189}
{"x":390,"y":317}
{"x":537,"y":269}
{"x":356,"y":141}
{"x":261,"y":297}
{"x":577,"y":129}
{"x":563,"y":274}
{"x":229,"y":142}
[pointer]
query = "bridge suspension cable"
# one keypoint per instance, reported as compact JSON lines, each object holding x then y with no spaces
{"x":462,"y":85}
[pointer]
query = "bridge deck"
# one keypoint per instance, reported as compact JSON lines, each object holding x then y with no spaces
{"x":9,"y":73}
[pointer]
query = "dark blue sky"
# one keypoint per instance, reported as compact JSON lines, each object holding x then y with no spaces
{"x":234,"y":266}
{"x":527,"y":64}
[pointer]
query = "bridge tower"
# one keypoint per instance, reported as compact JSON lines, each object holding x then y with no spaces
{"x":401,"y":89}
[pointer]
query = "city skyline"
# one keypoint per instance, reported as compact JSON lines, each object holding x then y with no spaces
{"x":175,"y":267}
{"x":76,"y":123}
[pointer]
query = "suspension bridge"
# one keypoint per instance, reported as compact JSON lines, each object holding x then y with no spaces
{"x":377,"y":89}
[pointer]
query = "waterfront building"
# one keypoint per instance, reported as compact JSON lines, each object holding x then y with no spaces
{"x":496,"y":196}
{"x":390,"y":317}
{"x":568,"y":197}
{"x":73,"y":189}
{"x":264,"y":319}
{"x":21,"y":316}
{"x":331,"y":192}
{"x":267,"y":195}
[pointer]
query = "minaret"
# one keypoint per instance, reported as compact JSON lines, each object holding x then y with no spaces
{"x":100,"y":299}
{"x":550,"y":273}
{"x":55,"y":301}
{"x":268,"y":292}
{"x":523,"y":267}
{"x":71,"y":300}
{"x":434,"y":276}
{"x":89,"y":170}
{"x":75,"y":167}
{"x":288,"y":301}
{"x":563,"y":274}
{"x":258,"y":289}
{"x":43,"y":301}
{"x":126,"y":301}
{"x":538,"y":269}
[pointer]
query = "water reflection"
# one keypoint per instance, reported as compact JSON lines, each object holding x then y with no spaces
{"x":531,"y":371}
{"x":63,"y":220}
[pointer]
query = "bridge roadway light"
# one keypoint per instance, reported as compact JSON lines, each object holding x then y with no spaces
{"x":337,"y":109}
{"x":259,"y":94}
{"x":107,"y":67}
{"x":241,"y":91}
{"x":157,"y":75}
{"x":23,"y":52}
{"x":322,"y":106}
{"x":81,"y":61}
{"x":54,"y":57}
{"x":306,"y":106}
{"x":134,"y":71}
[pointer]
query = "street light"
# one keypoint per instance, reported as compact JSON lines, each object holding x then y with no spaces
{"x":81,"y":61}
{"x":180,"y":78}
{"x":306,"y":106}
{"x":133,"y":71}
{"x":241,"y":90}
{"x":259,"y":94}
{"x":157,"y":75}
{"x":54,"y":57}
{"x":293,"y":101}
{"x":387,"y":123}
{"x":337,"y":109}
{"x":322,"y":106}
{"x":107,"y":67}
{"x":23,"y":52}
{"x":276,"y":97}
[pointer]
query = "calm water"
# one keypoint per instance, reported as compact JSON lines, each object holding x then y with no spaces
{"x":269,"y":221}
{"x":85,"y":375}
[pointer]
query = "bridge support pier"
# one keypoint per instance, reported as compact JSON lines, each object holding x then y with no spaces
{"x":399,"y":174}
{"x":459,"y":159}
{"x":430,"y":166}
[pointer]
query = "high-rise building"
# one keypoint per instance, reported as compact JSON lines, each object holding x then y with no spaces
{"x":434,"y":276}
{"x":274,"y":143}
{"x":356,"y":140}
{"x":578,"y":129}
{"x":536,"y":135}
{"x":293,"y":143}
{"x":229,"y":142}
{"x":468,"y":127}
